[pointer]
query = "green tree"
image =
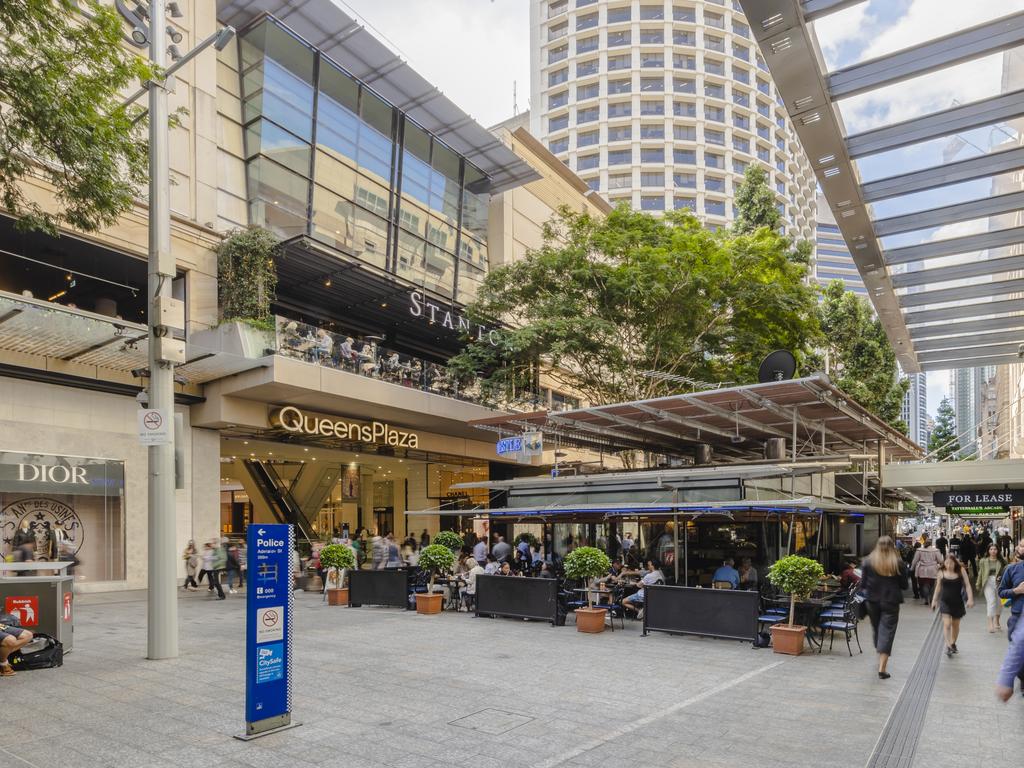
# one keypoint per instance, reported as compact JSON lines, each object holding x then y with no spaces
{"x":943,"y":441}
{"x":860,"y":358}
{"x":62,"y":77}
{"x":756,"y":205}
{"x":605,"y":300}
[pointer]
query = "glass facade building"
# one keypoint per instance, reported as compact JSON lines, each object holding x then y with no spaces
{"x":329,"y":159}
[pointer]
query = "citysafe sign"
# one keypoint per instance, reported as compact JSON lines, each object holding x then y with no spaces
{"x":293,"y":419}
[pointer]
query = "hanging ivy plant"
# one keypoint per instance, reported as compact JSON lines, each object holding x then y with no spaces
{"x":247,"y":277}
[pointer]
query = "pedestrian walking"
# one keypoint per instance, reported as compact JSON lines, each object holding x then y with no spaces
{"x":990,"y":571}
{"x":884,"y":576}
{"x":941,"y":543}
{"x":908,"y":558}
{"x":1011,"y":587}
{"x":1013,"y":663}
{"x":926,"y":565}
{"x":949,"y":599}
{"x":192,"y":563}
{"x":232,"y":566}
{"x":1004,"y":544}
{"x":218,"y":560}
{"x":206,"y":558}
{"x":969,"y":554}
{"x":380,"y":552}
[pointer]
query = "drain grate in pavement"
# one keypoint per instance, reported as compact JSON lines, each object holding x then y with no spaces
{"x":898,"y":740}
{"x":492,"y":721}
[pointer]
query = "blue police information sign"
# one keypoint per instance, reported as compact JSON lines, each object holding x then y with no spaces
{"x":268,"y":629}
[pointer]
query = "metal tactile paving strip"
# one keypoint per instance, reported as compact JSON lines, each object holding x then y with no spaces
{"x":898,"y":740}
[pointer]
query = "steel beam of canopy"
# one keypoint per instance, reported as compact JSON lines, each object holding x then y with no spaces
{"x":972,"y":291}
{"x":964,"y":117}
{"x":940,"y":53}
{"x":946,"y":214}
{"x":815,"y":9}
{"x":943,"y":175}
{"x":971,"y":326}
{"x":954,"y":246}
{"x":682,"y":421}
{"x":645,"y":427}
{"x":790,"y":414}
{"x":968,"y":352}
{"x":978,"y":340}
{"x":978,"y":268}
{"x":969,"y":362}
{"x":734,"y":416}
{"x":977,"y":309}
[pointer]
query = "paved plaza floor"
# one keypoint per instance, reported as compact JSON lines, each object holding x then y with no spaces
{"x":378,"y":687}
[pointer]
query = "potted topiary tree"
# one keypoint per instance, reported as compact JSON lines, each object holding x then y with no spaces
{"x":587,"y":563}
{"x":449,"y":539}
{"x":796,"y":576}
{"x":434,"y":559}
{"x":336,"y":559}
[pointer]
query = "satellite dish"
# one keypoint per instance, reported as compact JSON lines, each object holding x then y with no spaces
{"x":780,"y":365}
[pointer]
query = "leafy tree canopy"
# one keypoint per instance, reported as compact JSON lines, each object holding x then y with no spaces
{"x":861,"y":361}
{"x":62,"y":73}
{"x":943,"y":441}
{"x":604,"y":300}
{"x":755,"y":202}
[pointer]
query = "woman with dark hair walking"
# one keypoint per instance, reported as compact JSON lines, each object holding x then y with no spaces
{"x":884,"y":577}
{"x":949,"y":599}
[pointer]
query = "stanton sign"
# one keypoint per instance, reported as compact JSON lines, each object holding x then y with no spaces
{"x":420,"y":306}
{"x":294,"y":420}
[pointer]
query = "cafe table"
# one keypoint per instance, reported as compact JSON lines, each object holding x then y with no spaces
{"x":807,"y":611}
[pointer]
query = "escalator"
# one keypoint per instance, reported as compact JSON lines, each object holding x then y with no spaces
{"x":279,"y":498}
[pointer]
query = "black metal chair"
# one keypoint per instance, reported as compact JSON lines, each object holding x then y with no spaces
{"x":846,"y":622}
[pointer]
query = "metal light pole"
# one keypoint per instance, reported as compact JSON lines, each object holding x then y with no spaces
{"x":162,"y":607}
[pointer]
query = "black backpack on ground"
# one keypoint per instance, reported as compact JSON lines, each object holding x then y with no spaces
{"x":43,"y":652}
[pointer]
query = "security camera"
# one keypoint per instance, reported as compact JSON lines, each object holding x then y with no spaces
{"x":140,"y":373}
{"x":142,"y":398}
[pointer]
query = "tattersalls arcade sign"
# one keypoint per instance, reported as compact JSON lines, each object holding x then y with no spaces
{"x":292,"y":419}
{"x":423,"y":308}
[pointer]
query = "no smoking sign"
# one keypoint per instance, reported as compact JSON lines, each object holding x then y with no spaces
{"x":154,"y":426}
{"x":270,"y":624}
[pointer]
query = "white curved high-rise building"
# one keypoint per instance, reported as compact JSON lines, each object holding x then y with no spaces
{"x":663,"y":104}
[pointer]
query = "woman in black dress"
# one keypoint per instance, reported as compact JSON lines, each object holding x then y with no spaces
{"x":949,"y":599}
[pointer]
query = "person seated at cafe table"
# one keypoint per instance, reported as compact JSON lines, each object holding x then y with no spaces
{"x":634,"y":603}
{"x":491,"y":567}
{"x":504,"y":570}
{"x":748,"y":574}
{"x":850,"y":575}
{"x":727,"y":573}
{"x":546,"y":572}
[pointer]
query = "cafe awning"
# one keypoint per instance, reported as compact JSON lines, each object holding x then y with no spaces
{"x":810,"y":413}
{"x":807,"y":506}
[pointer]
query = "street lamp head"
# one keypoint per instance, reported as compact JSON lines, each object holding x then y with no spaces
{"x":174,"y":10}
{"x":223,"y":38}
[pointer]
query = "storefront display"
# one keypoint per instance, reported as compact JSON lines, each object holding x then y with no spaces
{"x":64,"y":508}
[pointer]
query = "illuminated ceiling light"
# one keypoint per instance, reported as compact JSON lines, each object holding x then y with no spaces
{"x":252,"y":454}
{"x":327,"y":283}
{"x":306,"y":450}
{"x":314,"y":458}
{"x":245,"y":442}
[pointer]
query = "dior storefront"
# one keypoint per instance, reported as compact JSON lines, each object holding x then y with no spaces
{"x":65,"y":507}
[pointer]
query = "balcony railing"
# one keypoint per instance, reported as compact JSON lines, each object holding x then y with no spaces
{"x":367,"y":357}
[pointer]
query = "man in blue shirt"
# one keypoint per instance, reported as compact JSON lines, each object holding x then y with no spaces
{"x":1011,"y":587}
{"x":727,"y":573}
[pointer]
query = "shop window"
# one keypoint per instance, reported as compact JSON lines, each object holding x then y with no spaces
{"x":65,"y":507}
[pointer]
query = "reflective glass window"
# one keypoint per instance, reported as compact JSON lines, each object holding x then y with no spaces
{"x":587,"y":44}
{"x":652,"y":179}
{"x":652,"y":12}
{"x":684,"y":156}
{"x":685,"y":180}
{"x":278,"y":85}
{"x":652,"y":203}
{"x":625,"y":61}
{"x":652,"y":36}
{"x":585,"y":162}
{"x":475,"y":200}
{"x":587,"y":91}
{"x":684,"y":132}
{"x":265,"y":138}
{"x":652,"y":108}
{"x":558,"y":76}
{"x":679,"y":203}
{"x":584,"y":68}
{"x":652,"y":131}
{"x":620,"y":86}
{"x":587,"y":138}
{"x":618,"y":14}
{"x":652,"y":155}
{"x":556,"y":100}
{"x":620,"y":109}
{"x":620,"y":156}
{"x":684,"y":109}
{"x":618,"y":38}
{"x":620,"y":181}
{"x":652,"y":83}
{"x":620,"y":132}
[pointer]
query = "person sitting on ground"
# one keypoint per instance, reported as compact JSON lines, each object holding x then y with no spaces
{"x":849,"y":577}
{"x":748,"y":574}
{"x":726,"y":573}
{"x":634,"y":603}
{"x":12,"y":638}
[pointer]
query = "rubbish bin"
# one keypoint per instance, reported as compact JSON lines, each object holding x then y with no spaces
{"x":43,"y":603}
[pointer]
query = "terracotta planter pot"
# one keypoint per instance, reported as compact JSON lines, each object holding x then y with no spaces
{"x":590,"y":619}
{"x":429,"y":603}
{"x":337,"y":596}
{"x":788,"y":640}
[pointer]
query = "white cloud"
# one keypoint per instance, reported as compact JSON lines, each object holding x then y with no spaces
{"x":472,"y":50}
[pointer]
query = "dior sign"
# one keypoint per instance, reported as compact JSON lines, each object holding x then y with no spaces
{"x":421,"y":307}
{"x":57,"y":473}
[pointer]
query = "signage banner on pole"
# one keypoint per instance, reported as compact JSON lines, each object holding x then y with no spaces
{"x":996,"y":498}
{"x":155,"y":425}
{"x":268,"y":637}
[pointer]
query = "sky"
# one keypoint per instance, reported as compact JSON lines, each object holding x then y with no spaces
{"x":475,"y":50}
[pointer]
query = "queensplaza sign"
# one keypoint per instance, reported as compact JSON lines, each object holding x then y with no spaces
{"x":269,"y":609}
